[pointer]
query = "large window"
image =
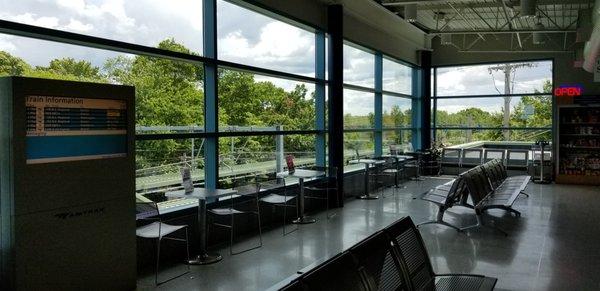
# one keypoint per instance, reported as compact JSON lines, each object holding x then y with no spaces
{"x":250,"y":38}
{"x":516,"y":103}
{"x":144,"y":22}
{"x":253,"y":102}
{"x":359,"y":109}
{"x":269,"y":101}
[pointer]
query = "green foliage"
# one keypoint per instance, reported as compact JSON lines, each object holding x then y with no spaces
{"x":12,"y":66}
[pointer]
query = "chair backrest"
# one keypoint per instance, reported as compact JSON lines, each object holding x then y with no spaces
{"x":145,"y":210}
{"x":491,"y":172}
{"x":492,"y":154}
{"x":375,"y":256}
{"x":339,"y":273}
{"x":472,"y":157}
{"x":393,"y":149}
{"x":457,"y":190}
{"x":247,"y":188}
{"x":517,"y":158}
{"x":451,"y":156}
{"x":275,"y":184}
{"x":411,"y":254}
{"x":477,"y":184}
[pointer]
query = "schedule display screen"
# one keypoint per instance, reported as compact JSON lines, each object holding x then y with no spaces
{"x":61,"y":129}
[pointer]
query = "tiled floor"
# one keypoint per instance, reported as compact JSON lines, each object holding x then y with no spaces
{"x":554,"y":245}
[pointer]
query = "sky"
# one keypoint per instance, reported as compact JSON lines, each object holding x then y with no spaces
{"x":243,"y":36}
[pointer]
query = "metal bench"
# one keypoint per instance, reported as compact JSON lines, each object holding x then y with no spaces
{"x":445,"y":196}
{"x":412,"y":256}
{"x":375,"y":256}
{"x":480,"y":186}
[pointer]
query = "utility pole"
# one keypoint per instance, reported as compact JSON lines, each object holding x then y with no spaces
{"x":508,"y":70}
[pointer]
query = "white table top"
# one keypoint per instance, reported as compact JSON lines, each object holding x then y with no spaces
{"x":301,"y":173}
{"x":202,"y":193}
{"x":366,"y":161}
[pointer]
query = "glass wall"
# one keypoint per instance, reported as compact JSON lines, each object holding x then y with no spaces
{"x":493,"y":102}
{"x":267,"y":91}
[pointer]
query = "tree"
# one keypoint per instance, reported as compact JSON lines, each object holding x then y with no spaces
{"x":12,"y":66}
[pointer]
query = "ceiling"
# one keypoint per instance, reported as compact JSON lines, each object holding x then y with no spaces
{"x":491,"y":19}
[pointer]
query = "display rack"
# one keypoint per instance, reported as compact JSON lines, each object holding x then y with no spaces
{"x":578,"y":144}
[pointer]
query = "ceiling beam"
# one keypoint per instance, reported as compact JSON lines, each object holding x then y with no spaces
{"x":539,"y":2}
{"x":503,"y":31}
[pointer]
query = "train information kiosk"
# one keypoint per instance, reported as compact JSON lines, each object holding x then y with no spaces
{"x":67,"y":215}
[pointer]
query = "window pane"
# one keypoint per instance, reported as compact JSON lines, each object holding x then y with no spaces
{"x":526,"y":111}
{"x":397,"y":111}
{"x":359,"y":67}
{"x":250,"y":38}
{"x":359,"y":109}
{"x":244,"y":156}
{"x":397,"y":77}
{"x":524,"y":77}
{"x":359,"y":144}
{"x":144,"y":22}
{"x":168,"y":93}
{"x":263,"y":103}
{"x":158,"y":163}
{"x":400,"y":138}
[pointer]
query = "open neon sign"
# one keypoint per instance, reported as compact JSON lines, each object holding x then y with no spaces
{"x":571,"y":90}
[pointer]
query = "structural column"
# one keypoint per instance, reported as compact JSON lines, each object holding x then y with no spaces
{"x":211,"y":107}
{"x":320,"y":107}
{"x":378,"y":134}
{"x":423,"y":95}
{"x":335,"y":17}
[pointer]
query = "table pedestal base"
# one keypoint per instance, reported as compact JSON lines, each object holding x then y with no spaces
{"x":205,"y":259}
{"x":304,"y":220}
{"x":368,"y":197}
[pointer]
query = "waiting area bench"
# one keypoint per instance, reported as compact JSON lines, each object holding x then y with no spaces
{"x":392,"y":259}
{"x":487,"y":186}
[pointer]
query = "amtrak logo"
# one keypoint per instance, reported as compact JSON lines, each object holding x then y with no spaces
{"x":74,"y":214}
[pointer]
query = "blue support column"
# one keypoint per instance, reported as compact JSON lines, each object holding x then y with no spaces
{"x":416,"y":108}
{"x":320,"y":107}
{"x":211,"y":104}
{"x":378,"y":134}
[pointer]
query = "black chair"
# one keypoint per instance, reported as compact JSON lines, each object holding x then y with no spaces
{"x":446,"y":196}
{"x":375,"y":255}
{"x":412,"y":255}
{"x":380,"y":174}
{"x":341,"y":273}
{"x":247,"y":198}
{"x":157,"y":230}
{"x":321,"y":189}
{"x":274,"y":188}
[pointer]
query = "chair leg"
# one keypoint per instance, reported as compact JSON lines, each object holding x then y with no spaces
{"x":440,"y":220}
{"x":481,"y":224}
{"x":157,"y":261}
{"x":187,"y":248}
{"x":231,"y":234}
{"x":258,"y":218}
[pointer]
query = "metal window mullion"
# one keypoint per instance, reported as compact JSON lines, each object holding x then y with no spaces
{"x":211,"y":107}
{"x":320,"y":107}
{"x":377,"y":134}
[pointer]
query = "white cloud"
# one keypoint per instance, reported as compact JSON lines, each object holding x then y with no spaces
{"x":30,"y":18}
{"x":76,"y":25}
{"x":6,"y":43}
